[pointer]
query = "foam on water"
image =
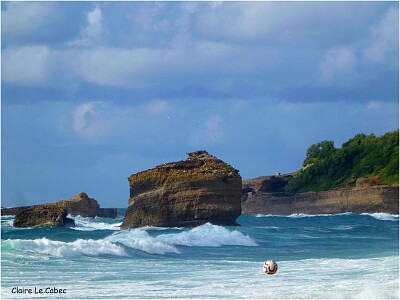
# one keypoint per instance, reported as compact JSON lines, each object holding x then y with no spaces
{"x":79,"y":247}
{"x":383,"y":216}
{"x":139,"y":239}
{"x":301,"y":215}
{"x":378,"y":216}
{"x":90,"y":224}
{"x":367,"y":278}
{"x":208,"y":235}
{"x":8,"y":222}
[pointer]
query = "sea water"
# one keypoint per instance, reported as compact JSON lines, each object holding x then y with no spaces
{"x":324,"y":256}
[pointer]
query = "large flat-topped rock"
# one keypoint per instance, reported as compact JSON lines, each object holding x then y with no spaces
{"x":186,"y":193}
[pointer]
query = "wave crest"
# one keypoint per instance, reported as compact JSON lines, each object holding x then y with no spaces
{"x":79,"y":247}
{"x":208,"y":235}
{"x":90,"y":224}
{"x":139,"y":239}
{"x":383,"y":216}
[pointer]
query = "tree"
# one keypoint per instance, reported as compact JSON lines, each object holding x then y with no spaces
{"x":319,"y":151}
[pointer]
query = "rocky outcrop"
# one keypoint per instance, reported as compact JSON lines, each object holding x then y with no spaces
{"x":370,"y":199}
{"x":43,"y":216}
{"x":12,"y":211}
{"x":186,"y":193}
{"x":82,"y":205}
{"x":368,"y":181}
{"x":264,"y":184}
{"x":53,"y":213}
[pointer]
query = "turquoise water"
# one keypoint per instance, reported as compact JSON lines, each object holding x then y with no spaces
{"x":328,"y":256}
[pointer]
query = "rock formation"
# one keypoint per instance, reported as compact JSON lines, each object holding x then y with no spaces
{"x":257,"y":199}
{"x":84,"y":206}
{"x":43,"y":216}
{"x":186,"y":193}
{"x":53,"y":213}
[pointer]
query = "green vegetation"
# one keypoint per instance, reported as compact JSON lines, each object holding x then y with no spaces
{"x":327,"y":167}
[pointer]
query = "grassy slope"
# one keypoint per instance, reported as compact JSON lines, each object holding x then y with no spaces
{"x":327,"y":167}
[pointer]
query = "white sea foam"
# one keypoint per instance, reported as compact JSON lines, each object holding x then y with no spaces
{"x":301,"y":215}
{"x":7,"y":222}
{"x":383,"y":216}
{"x":79,"y":247}
{"x":379,"y":216}
{"x":317,"y":215}
{"x":139,"y":239}
{"x":90,"y":224}
{"x":264,"y":216}
{"x":208,"y":235}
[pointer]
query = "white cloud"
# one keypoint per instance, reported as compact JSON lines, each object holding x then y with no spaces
{"x":175,"y":66}
{"x":276,"y":22}
{"x":89,"y":121}
{"x":384,"y":38}
{"x":115,"y":67}
{"x":338,"y":61}
{"x":93,"y":31}
{"x":80,"y":115}
{"x":24,"y":18}
{"x":30,"y":65}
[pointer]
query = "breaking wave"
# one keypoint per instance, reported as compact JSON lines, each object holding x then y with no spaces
{"x":378,"y":216}
{"x":89,"y":224}
{"x":79,"y":247}
{"x":301,"y":215}
{"x":317,"y":215}
{"x":139,"y":239}
{"x":208,"y":235}
{"x":117,"y":243}
{"x":383,"y":216}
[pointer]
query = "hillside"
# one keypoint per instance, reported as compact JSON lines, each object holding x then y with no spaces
{"x":364,"y":158}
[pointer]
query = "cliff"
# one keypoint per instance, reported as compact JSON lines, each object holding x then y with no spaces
{"x":80,"y":205}
{"x":187,"y":193}
{"x":264,"y":195}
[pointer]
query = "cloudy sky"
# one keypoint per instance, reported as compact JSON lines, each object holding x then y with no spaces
{"x":94,"y":91}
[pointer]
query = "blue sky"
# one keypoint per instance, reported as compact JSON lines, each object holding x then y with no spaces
{"x":95,"y":91}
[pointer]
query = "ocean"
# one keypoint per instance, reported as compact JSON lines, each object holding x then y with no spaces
{"x":319,"y":257}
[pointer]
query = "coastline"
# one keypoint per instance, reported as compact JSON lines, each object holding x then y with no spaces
{"x":373,"y":199}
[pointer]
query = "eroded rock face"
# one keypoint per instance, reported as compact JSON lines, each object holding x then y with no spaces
{"x":84,"y":206}
{"x":43,"y":216}
{"x":256,"y":199}
{"x":187,"y":193}
{"x":368,"y":181}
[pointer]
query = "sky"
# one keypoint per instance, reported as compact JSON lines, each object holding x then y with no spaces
{"x":93,"y":92}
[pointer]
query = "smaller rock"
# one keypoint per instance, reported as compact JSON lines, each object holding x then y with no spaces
{"x":43,"y":216}
{"x":79,"y":204}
